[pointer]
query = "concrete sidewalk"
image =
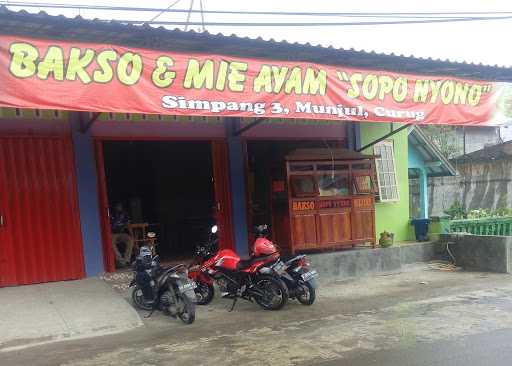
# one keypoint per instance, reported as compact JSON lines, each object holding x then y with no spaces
{"x":44,"y":313}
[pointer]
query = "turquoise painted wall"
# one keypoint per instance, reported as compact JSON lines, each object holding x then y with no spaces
{"x":416,"y":162}
{"x":391,"y":216}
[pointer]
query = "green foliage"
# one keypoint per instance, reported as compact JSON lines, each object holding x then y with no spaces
{"x":503,"y":211}
{"x":456,"y":211}
{"x":479,"y":214}
{"x":445,"y":138}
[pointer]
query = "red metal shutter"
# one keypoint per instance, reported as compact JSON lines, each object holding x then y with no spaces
{"x":222,"y":194}
{"x":40,"y":239}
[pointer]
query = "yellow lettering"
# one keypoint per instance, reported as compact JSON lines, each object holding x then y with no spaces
{"x":435,"y":86}
{"x":386,"y":86}
{"x":279,"y":77}
{"x":198,"y":76}
{"x":475,"y":92}
{"x":354,"y":90}
{"x":221,"y":78}
{"x":236,"y":76}
{"x":400,"y":89}
{"x":263,"y":80}
{"x":23,"y":60}
{"x":294,"y":82}
{"x":161,"y":76}
{"x":105,"y":73}
{"x":421,"y":90}
{"x":78,"y":63}
{"x":129,"y":68}
{"x":461,"y":93}
{"x":370,"y":86}
{"x":315,"y":83}
{"x":447,"y":90}
{"x":53,"y":62}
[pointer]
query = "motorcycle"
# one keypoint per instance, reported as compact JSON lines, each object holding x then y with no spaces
{"x":168,"y":289}
{"x":246,"y":279}
{"x":298,"y":277}
{"x":293,"y":271}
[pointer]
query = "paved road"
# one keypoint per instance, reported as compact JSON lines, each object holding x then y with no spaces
{"x":487,"y":349}
{"x":432,"y":317}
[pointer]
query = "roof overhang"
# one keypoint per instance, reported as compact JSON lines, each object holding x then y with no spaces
{"x":42,"y":25}
{"x":436,"y":164}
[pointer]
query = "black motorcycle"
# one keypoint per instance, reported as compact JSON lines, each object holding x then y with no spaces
{"x":166,"y":289}
{"x":295,"y":272}
{"x":298,"y":277}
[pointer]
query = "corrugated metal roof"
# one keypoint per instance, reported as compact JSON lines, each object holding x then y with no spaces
{"x":43,"y":25}
{"x":437,"y":165}
{"x":488,"y":154}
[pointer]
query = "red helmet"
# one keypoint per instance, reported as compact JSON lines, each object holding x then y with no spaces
{"x":263,"y":246}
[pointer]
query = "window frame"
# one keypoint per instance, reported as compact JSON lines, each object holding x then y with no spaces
{"x":297,"y":195}
{"x":344,"y":174}
{"x":378,"y":167}
{"x":356,"y":186}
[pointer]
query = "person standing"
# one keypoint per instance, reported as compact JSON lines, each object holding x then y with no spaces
{"x":121,"y":234}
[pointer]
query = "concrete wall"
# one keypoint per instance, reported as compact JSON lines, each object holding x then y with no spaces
{"x":366,"y":262}
{"x":471,"y":252}
{"x":478,"y":185}
{"x":480,"y":253}
{"x":478,"y":138}
{"x":391,"y":216}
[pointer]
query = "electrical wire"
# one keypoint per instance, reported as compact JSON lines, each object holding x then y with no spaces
{"x":164,"y":10}
{"x":188,"y":15}
{"x":202,"y":14}
{"x":317,"y":24}
{"x":436,"y":15}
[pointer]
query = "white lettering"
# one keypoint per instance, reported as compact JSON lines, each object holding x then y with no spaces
{"x":214,"y":106}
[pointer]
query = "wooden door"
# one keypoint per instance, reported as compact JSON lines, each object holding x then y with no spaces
{"x":333,"y":227}
{"x":40,"y":233}
{"x":363,"y":219}
{"x":223,"y":211}
{"x":304,"y":233}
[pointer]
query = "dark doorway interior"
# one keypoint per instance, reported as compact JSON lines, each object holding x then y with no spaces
{"x":166,"y":184}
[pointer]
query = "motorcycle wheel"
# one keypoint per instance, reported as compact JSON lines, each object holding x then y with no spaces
{"x":204,"y":293}
{"x":188,"y":312}
{"x":275,"y":293}
{"x":307,"y":294}
{"x":138,"y":299}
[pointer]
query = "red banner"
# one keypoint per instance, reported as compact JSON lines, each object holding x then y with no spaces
{"x":107,"y":78}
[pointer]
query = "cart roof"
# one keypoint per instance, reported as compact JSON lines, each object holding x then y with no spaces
{"x":326,"y":154}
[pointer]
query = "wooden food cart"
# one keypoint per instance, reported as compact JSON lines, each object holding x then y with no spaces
{"x":330,"y":201}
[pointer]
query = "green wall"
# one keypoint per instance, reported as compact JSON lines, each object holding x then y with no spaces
{"x":391,"y":216}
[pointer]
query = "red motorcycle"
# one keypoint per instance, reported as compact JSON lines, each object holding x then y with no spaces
{"x":236,"y":278}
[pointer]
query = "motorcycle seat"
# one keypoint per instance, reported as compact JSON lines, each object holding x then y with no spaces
{"x":246,"y":263}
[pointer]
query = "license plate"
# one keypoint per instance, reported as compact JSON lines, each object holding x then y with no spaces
{"x":279,"y":267}
{"x":187,"y":286}
{"x":309,"y":275}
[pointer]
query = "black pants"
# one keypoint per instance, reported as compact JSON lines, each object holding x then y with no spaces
{"x":143,"y":279}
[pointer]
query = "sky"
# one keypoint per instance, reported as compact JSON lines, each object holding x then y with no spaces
{"x":484,"y":42}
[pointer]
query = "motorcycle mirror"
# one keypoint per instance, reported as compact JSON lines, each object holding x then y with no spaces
{"x":214,"y":229}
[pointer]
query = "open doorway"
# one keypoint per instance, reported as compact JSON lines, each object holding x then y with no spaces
{"x":165,"y":184}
